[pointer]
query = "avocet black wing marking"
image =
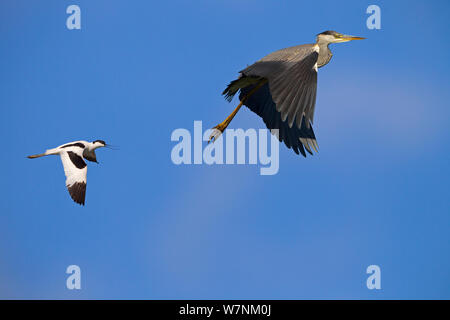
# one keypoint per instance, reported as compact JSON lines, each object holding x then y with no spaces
{"x":90,"y":155}
{"x":76,"y":171}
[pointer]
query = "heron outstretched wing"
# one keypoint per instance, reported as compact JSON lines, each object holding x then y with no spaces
{"x":262,"y":104}
{"x":287,"y":97}
{"x":292,"y":77}
{"x":76,"y":171}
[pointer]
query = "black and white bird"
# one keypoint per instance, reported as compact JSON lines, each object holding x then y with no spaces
{"x":75,"y":168}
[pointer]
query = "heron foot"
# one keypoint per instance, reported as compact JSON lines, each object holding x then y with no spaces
{"x":217,"y":132}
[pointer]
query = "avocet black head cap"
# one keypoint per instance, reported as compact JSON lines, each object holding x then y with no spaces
{"x":100,"y":142}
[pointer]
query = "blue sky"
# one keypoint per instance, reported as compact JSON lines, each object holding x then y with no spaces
{"x":376,"y":193}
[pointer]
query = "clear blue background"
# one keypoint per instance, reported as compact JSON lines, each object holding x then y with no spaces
{"x":376,"y":193}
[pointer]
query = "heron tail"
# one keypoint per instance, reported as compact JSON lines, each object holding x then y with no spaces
{"x":239,"y":83}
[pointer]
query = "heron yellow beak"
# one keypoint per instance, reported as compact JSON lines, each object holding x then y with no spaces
{"x":346,"y":38}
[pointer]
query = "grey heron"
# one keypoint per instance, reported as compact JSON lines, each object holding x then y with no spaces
{"x":281,"y":89}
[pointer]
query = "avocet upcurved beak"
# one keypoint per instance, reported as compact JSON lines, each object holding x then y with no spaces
{"x":109,"y":146}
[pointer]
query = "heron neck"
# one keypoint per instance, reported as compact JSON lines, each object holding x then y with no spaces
{"x":324,"y":54}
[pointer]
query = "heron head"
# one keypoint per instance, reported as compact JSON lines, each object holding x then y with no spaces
{"x":335,"y":37}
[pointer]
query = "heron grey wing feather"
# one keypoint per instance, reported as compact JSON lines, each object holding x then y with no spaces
{"x":278,"y":61}
{"x":304,"y":75}
{"x":296,"y":108}
{"x":310,"y":115}
{"x":310,"y":106}
{"x":291,"y":100}
{"x":287,"y":93}
{"x":290,"y":70}
{"x":262,"y":104}
{"x":303,"y":108}
{"x":296,"y":112}
{"x":297,"y":97}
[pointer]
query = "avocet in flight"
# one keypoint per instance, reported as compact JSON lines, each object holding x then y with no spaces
{"x":75,"y":168}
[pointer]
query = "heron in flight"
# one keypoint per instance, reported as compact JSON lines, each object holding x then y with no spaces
{"x":281,"y":89}
{"x":75,"y":168}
